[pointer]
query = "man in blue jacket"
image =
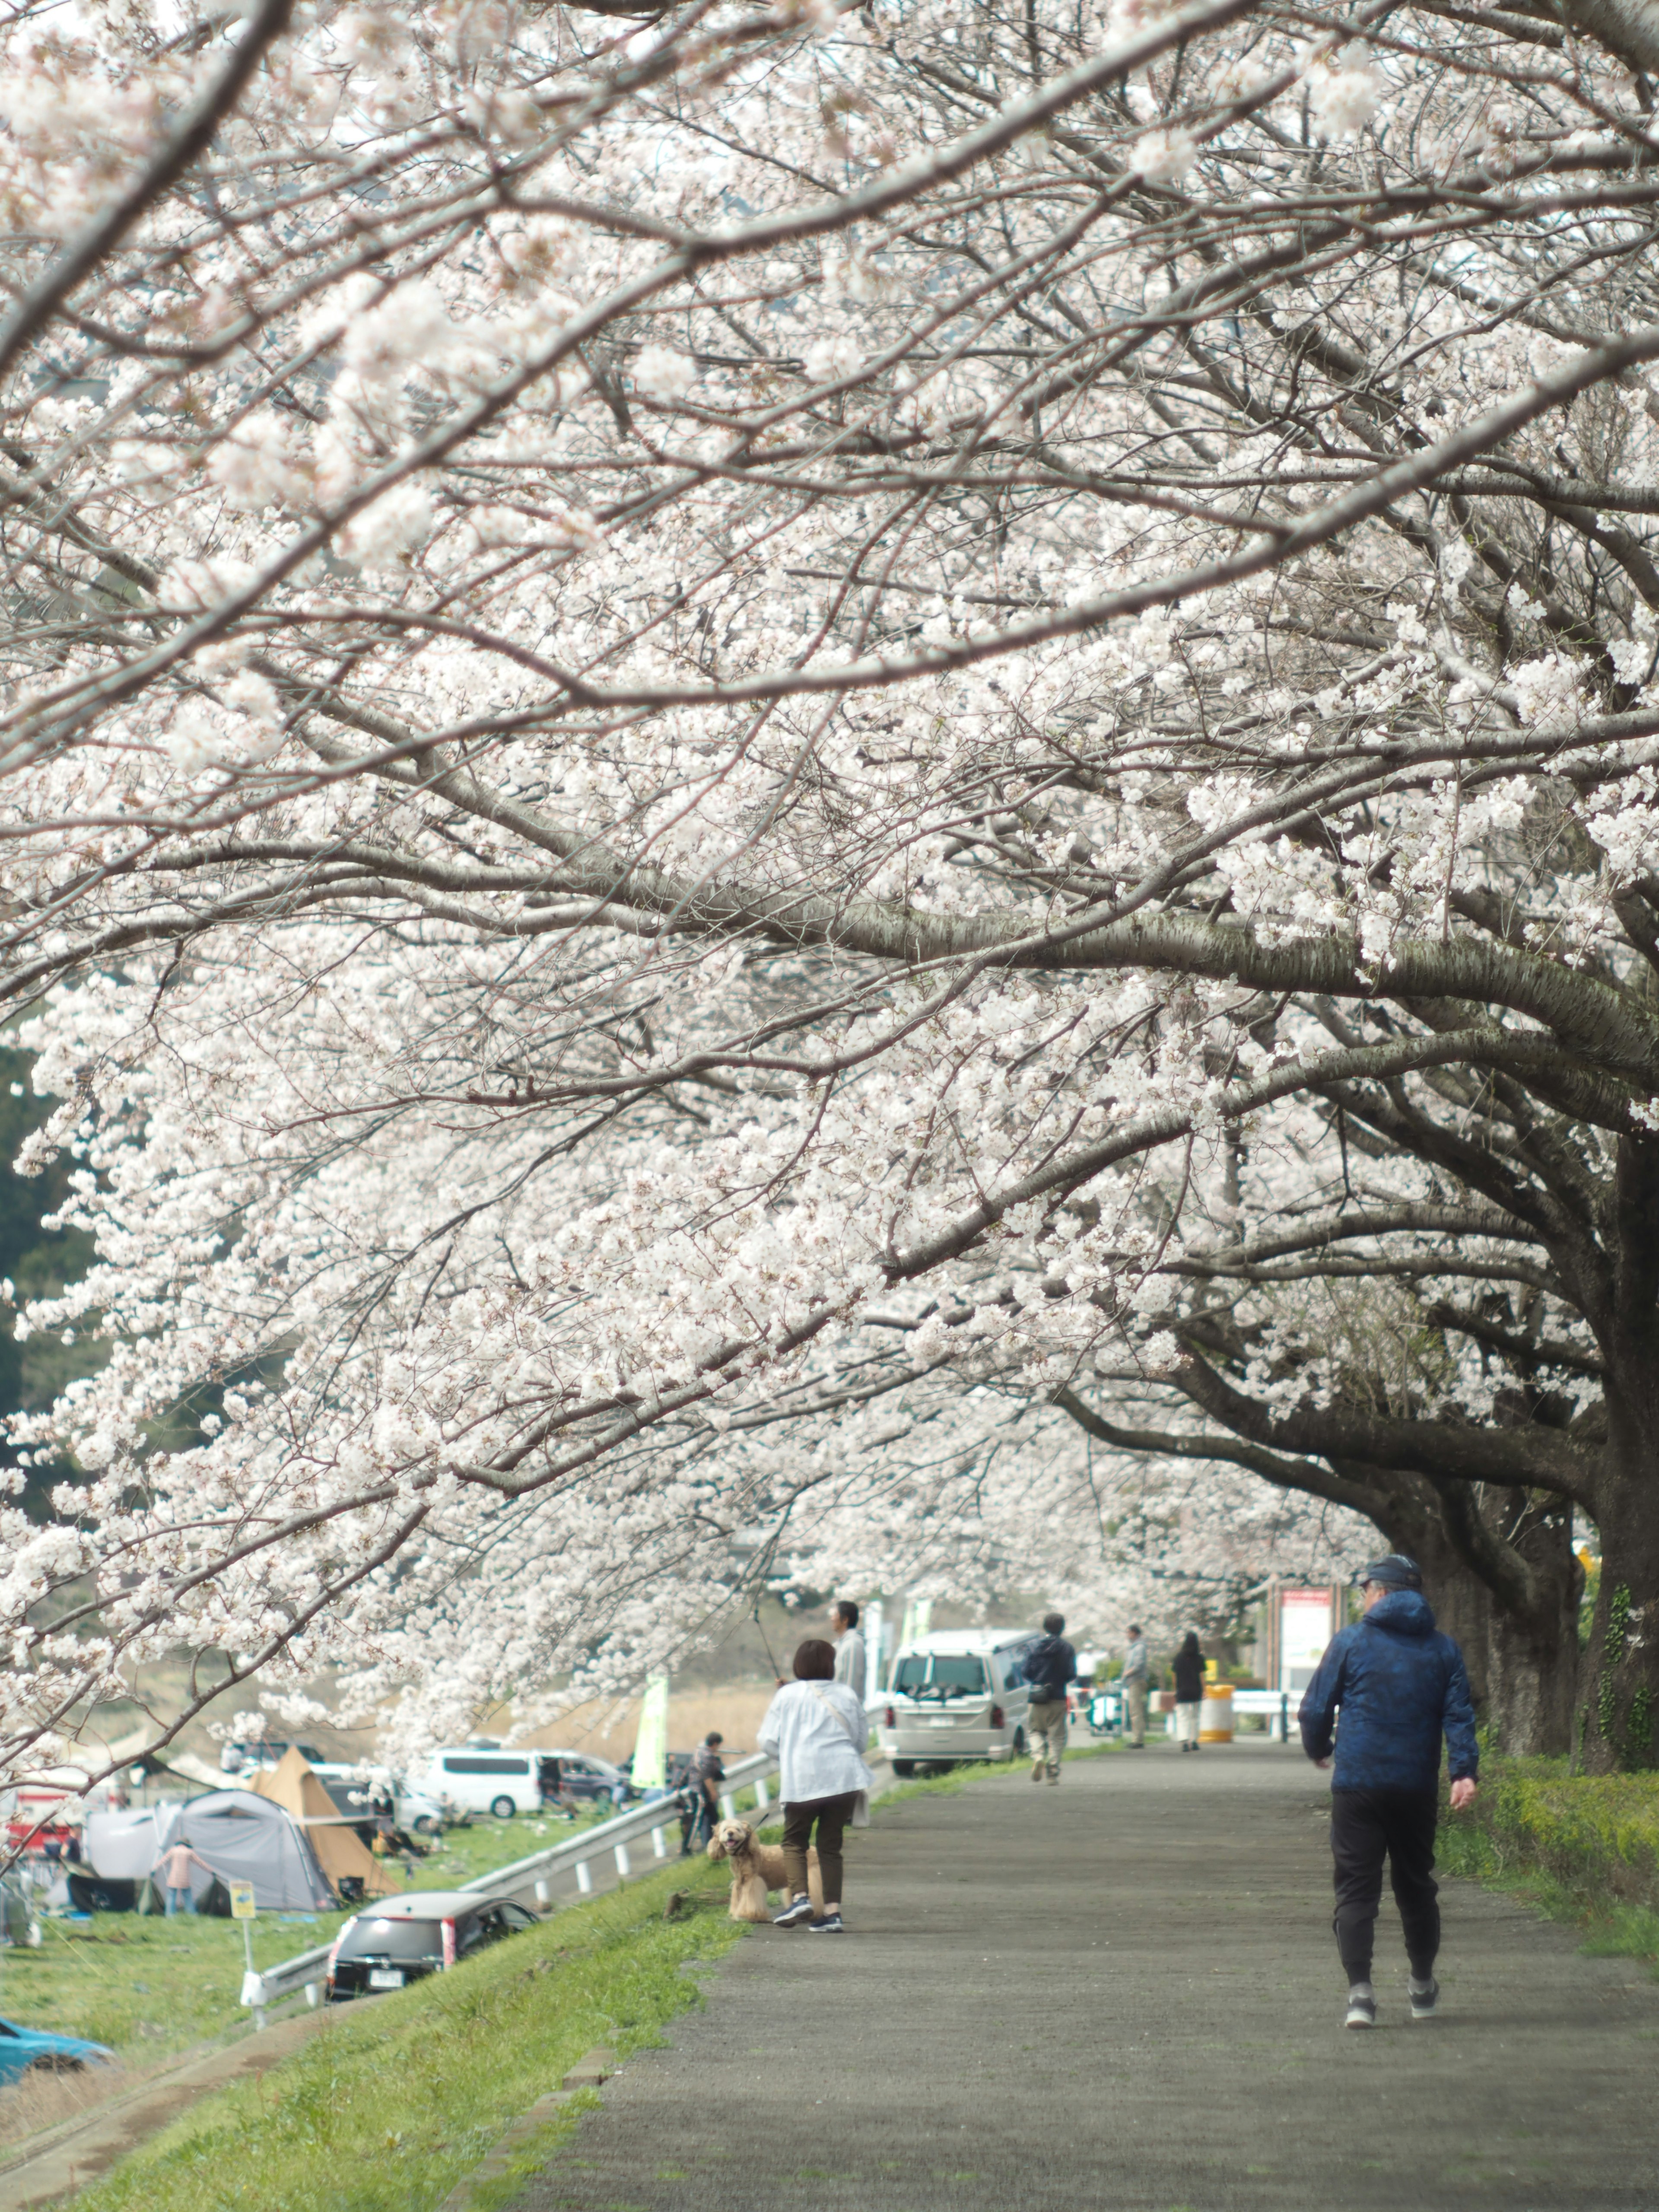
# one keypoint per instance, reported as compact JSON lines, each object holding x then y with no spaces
{"x":1402,"y":1686}
{"x":1050,"y":1668}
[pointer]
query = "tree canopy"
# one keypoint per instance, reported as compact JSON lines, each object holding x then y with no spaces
{"x":715,"y":716}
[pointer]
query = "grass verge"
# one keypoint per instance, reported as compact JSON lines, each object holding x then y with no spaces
{"x":150,"y":1987}
{"x":147,"y":1986}
{"x":389,"y":2107}
{"x":1583,"y":1848}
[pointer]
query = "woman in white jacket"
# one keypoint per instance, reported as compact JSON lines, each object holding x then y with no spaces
{"x":817,"y":1729}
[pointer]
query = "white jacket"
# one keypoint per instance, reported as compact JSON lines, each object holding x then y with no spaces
{"x":818,"y":1731}
{"x":850,"y":1664}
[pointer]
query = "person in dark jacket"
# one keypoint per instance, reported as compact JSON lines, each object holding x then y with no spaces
{"x":1050,"y":1668}
{"x":1188,"y":1690}
{"x":1402,"y":1686}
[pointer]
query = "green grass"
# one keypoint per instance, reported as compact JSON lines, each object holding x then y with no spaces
{"x":146,"y":1985}
{"x":463,"y":1853}
{"x":394,"y":2102}
{"x":149,"y":1987}
{"x":1582,"y":1848}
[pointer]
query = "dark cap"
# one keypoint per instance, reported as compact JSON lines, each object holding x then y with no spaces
{"x":1396,"y":1572}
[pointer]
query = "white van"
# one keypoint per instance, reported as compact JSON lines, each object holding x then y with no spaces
{"x":484,"y":1778}
{"x":956,"y":1694}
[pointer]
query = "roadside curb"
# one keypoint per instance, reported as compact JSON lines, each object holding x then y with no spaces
{"x":588,"y":2072}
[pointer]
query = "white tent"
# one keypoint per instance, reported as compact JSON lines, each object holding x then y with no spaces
{"x":124,"y":1846}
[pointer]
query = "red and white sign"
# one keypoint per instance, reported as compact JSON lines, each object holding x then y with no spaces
{"x":1305,"y":1627}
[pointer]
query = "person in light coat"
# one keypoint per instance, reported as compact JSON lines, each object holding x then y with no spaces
{"x":851,"y":1666}
{"x":817,"y":1729}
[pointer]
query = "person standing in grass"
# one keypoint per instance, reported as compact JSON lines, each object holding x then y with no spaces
{"x":1402,"y":1686}
{"x":816,"y":1727}
{"x":174,"y":1870}
{"x":1189,"y":1691}
{"x":704,"y":1776}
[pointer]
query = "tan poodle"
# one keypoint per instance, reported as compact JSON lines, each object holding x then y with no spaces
{"x":758,"y":1867}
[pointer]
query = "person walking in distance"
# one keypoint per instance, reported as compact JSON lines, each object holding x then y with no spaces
{"x":817,"y":1729}
{"x":1050,"y":1668}
{"x":1189,"y":1691}
{"x":1402,"y":1686}
{"x":851,"y":1665}
{"x":1134,"y":1686}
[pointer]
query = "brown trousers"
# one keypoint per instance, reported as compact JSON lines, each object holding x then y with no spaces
{"x":831,"y":1815}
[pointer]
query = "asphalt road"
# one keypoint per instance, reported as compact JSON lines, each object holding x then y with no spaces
{"x":1122,"y":1995}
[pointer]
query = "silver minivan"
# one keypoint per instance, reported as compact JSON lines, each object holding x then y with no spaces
{"x":956,"y":1694}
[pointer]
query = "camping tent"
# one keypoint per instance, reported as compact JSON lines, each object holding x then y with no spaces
{"x":332,"y":1834}
{"x":242,"y":1836}
{"x":124,"y":1846}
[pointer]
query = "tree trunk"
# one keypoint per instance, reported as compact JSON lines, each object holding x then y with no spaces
{"x":1619,"y":1707}
{"x":1533,"y":1656}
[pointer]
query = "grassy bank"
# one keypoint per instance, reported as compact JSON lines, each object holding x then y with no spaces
{"x":150,"y":1987}
{"x":389,"y":2107}
{"x":1584,"y":1848}
{"x":147,"y":1986}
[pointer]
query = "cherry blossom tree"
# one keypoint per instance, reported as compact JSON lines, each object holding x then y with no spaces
{"x":705,"y":714}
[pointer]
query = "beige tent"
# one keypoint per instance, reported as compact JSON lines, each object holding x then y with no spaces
{"x":291,"y":1785}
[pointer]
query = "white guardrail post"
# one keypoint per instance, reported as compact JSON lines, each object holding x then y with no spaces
{"x":576,"y":1854}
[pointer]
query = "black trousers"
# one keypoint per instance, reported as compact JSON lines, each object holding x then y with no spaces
{"x":1367,"y":1827}
{"x":831,"y":1815}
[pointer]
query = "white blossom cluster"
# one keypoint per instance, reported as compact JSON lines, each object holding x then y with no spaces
{"x":748,"y":753}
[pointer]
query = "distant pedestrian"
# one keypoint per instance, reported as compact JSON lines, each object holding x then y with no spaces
{"x":1189,"y":1691}
{"x":703,"y":1778}
{"x":1402,"y":1686}
{"x":816,"y":1727}
{"x":1050,"y":1668}
{"x":1133,"y":1679}
{"x":851,"y":1665}
{"x":174,"y":1870}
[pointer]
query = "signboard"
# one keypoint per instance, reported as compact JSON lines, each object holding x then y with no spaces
{"x":1305,"y":1627}
{"x":242,"y":1907}
{"x":650,"y":1768}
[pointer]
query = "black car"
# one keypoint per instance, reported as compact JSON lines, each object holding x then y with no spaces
{"x":399,"y":1939}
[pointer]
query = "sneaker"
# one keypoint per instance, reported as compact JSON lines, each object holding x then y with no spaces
{"x":1036,"y":1771}
{"x":1054,"y":1782}
{"x":1362,"y":2012}
{"x":793,"y":1913}
{"x":828,"y":1924}
{"x":1426,"y":2002}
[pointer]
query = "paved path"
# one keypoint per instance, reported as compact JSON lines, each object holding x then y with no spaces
{"x":1121,"y":1996}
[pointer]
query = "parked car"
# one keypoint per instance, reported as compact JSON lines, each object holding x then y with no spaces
{"x":251,"y":1757}
{"x":588,"y":1779}
{"x":351,"y":1788}
{"x":34,"y":2051}
{"x":956,"y":1694}
{"x":485,"y":1778}
{"x":403,"y":1939}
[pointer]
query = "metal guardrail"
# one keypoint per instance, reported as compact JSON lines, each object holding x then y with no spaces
{"x":1272,"y":1706}
{"x":576,"y":1854}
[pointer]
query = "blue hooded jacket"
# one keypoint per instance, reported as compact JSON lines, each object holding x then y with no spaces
{"x":1401,"y":1685}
